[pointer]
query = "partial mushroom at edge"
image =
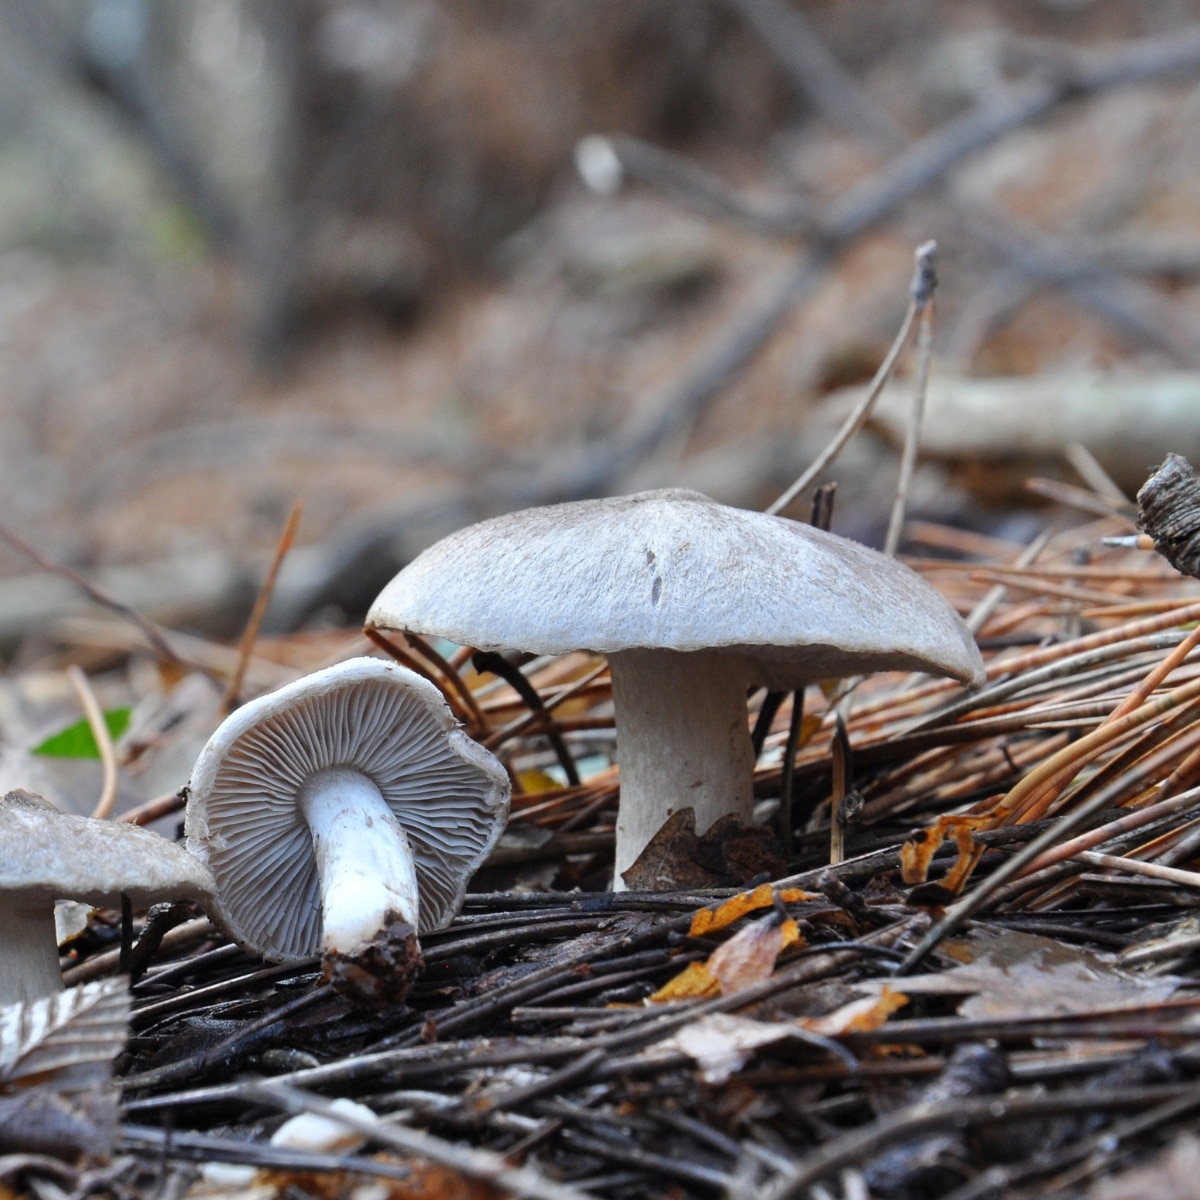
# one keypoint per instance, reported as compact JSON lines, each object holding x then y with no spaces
{"x":50,"y":855}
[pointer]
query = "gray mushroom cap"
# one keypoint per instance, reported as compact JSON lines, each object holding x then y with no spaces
{"x":50,"y":855}
{"x":674,"y":570}
{"x":449,"y":795}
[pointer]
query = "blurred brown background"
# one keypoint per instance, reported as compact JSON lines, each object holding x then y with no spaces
{"x":252,"y":250}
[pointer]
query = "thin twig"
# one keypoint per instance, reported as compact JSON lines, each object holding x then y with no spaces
{"x":104,"y":743}
{"x":489,"y":662}
{"x":533,"y":721}
{"x":859,"y":1144}
{"x":154,"y":634}
{"x":1093,"y":474}
{"x":233,"y":689}
{"x":476,"y":723}
{"x":855,"y":421}
{"x":925,"y":286}
{"x":787,"y":782}
{"x":153,"y":810}
{"x":405,"y":659}
{"x":814,"y":71}
{"x":841,"y":788}
{"x":1137,"y":866}
{"x":910,"y":171}
{"x":982,"y":612}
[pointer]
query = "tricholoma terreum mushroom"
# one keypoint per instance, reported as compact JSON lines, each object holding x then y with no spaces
{"x":342,"y":815}
{"x":693,"y":602}
{"x":50,"y":855}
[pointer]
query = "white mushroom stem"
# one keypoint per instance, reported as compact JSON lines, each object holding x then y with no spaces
{"x":364,"y":863}
{"x":29,"y":966}
{"x":683,"y":741}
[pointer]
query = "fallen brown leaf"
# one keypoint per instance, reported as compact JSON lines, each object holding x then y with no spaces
{"x":727,"y":855}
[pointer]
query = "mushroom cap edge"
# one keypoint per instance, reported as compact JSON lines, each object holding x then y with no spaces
{"x":674,"y":570}
{"x":53,"y":855}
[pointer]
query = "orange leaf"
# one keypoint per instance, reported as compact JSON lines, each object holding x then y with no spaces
{"x":916,"y":855}
{"x":694,"y":982}
{"x":426,"y":1181}
{"x":859,"y":1016}
{"x":747,"y":957}
{"x":708,"y":920}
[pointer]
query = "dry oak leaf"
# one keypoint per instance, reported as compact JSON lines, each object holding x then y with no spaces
{"x":726,"y":855}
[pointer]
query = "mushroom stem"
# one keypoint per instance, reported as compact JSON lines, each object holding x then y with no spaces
{"x":364,"y":864}
{"x":29,"y":966}
{"x":683,"y":742}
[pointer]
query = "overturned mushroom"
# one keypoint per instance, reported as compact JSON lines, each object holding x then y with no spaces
{"x":693,"y":602}
{"x":342,"y":815}
{"x":49,"y":855}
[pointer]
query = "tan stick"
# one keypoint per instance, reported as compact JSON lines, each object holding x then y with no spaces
{"x":250,"y":634}
{"x":104,"y":742}
{"x":152,"y":810}
{"x":855,"y":421}
{"x":1136,"y":866}
{"x":923,"y":300}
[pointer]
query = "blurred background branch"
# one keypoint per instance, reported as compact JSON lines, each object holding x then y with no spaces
{"x":255,"y":249}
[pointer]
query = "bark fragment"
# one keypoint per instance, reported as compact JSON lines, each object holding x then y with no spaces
{"x":1169,"y":511}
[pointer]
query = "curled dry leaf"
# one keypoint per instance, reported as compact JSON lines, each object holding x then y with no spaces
{"x":749,"y":956}
{"x":859,"y":1016}
{"x":694,"y":982}
{"x":745,"y":959}
{"x":709,"y":920}
{"x":917,"y":853}
{"x":721,"y":1043}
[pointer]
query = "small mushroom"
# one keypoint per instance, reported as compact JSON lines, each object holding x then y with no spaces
{"x":342,"y":815}
{"x":49,"y":855}
{"x":693,"y":602}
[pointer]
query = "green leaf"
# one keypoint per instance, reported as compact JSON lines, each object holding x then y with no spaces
{"x":76,"y":741}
